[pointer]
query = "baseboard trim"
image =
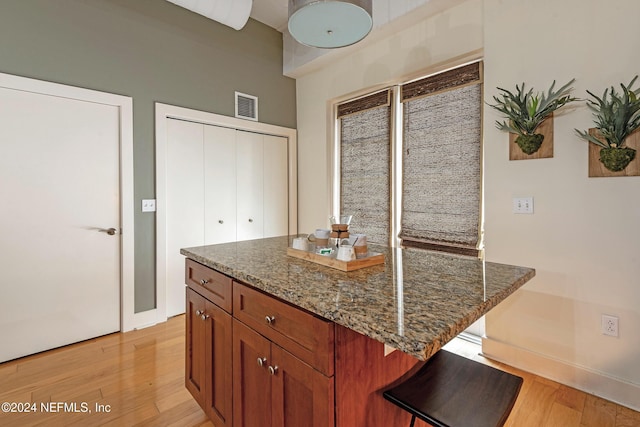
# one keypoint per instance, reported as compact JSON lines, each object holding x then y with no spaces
{"x":579,"y":377}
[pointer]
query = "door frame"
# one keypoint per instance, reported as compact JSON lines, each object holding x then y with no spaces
{"x":165,"y":112}
{"x":128,"y":318}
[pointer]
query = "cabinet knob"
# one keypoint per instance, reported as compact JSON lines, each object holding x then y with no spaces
{"x":199,"y":312}
{"x":270,"y":320}
{"x":273,"y":370}
{"x":250,"y":220}
{"x":204,"y":316}
{"x":220,"y":221}
{"x":262,"y":361}
{"x":204,"y":281}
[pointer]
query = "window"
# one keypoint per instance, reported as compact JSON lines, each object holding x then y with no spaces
{"x":437,"y":151}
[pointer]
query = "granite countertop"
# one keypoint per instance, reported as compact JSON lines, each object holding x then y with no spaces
{"x":416,"y":302}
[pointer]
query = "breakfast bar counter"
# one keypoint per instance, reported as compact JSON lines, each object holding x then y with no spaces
{"x":415,"y":302}
{"x":273,"y":339}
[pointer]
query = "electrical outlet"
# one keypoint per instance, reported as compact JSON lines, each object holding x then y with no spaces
{"x":609,"y":325}
{"x":523,"y":205}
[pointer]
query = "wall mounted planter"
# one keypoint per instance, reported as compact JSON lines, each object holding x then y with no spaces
{"x":597,"y":169}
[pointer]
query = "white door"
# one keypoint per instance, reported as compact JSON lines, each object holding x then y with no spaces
{"x":59,"y":193}
{"x":219,"y":185}
{"x":276,"y":195}
{"x":185,"y":204}
{"x":249,"y":173}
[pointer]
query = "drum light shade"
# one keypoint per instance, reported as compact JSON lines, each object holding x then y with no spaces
{"x":329,"y":23}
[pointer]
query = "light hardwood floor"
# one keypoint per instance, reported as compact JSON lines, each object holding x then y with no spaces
{"x":139,"y":378}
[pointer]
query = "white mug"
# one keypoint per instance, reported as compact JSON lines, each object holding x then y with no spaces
{"x":301,"y":243}
{"x":346,"y":253}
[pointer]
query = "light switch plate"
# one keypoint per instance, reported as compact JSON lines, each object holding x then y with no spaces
{"x":148,"y":205}
{"x":523,"y":205}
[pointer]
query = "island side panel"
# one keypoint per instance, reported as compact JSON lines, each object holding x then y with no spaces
{"x":362,"y":373}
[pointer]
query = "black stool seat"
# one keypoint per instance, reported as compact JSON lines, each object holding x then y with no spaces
{"x":453,"y":391}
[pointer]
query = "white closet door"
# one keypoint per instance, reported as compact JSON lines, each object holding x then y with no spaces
{"x":249,"y":173}
{"x":219,"y":185}
{"x":185,"y":204}
{"x":276,"y":195}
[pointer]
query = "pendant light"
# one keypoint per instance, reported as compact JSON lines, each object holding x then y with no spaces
{"x":329,"y":23}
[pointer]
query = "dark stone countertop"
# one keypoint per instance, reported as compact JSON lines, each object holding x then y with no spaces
{"x":416,"y":302}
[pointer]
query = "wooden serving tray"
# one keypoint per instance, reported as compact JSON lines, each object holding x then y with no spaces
{"x":328,"y":261}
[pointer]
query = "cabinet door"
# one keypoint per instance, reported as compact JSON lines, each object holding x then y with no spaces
{"x":219,"y":185}
{"x":251,"y":379}
{"x":195,"y":352}
{"x":276,"y":189}
{"x":300,"y":395}
{"x":184,"y":204}
{"x":218,"y":399}
{"x":249,"y":174}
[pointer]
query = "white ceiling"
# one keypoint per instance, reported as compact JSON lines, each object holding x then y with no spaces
{"x":274,"y":13}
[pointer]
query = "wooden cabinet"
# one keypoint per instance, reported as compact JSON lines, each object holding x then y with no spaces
{"x":273,"y":388}
{"x":283,"y":363}
{"x":271,"y":364}
{"x":209,"y":344}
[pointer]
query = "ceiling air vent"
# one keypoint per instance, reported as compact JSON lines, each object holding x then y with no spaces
{"x":246,"y":106}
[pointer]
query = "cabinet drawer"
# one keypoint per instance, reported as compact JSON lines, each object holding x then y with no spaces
{"x":214,"y":286}
{"x":304,"y":335}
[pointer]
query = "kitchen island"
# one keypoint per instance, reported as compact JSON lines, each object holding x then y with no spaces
{"x":415,"y":302}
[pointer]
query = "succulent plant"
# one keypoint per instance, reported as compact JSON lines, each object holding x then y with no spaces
{"x":616,"y":115}
{"x":525,"y":111}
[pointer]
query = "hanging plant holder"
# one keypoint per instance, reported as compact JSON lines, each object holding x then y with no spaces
{"x":525,"y":112}
{"x":615,"y":137}
{"x":529,"y":144}
{"x":545,"y":150}
{"x":616,"y":159}
{"x":597,"y":168}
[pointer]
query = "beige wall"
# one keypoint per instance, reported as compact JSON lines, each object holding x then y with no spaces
{"x":583,"y":238}
{"x":427,"y":44}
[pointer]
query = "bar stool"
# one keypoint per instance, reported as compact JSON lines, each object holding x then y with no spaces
{"x":453,"y":391}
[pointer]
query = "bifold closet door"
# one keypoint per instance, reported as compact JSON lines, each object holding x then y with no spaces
{"x":219,"y":185}
{"x":276,"y":188}
{"x":249,"y":180}
{"x":185,"y":204}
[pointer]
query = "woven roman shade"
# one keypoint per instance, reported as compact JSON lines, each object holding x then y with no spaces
{"x":365,"y":165}
{"x":442,"y":161}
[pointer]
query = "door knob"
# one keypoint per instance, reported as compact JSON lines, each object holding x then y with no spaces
{"x":250,"y":219}
{"x":220,"y":221}
{"x":109,"y":231}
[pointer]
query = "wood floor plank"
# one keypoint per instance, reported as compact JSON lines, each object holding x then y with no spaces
{"x":140,"y":375}
{"x":562,"y":416}
{"x":598,"y":412}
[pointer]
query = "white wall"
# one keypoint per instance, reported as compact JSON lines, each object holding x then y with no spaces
{"x":584,"y":237}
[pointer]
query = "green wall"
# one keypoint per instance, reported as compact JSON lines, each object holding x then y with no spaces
{"x":153,"y":51}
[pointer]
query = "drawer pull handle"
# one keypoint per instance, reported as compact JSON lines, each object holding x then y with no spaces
{"x":273,"y":370}
{"x":204,"y":282}
{"x":270,"y":320}
{"x":262,"y":361}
